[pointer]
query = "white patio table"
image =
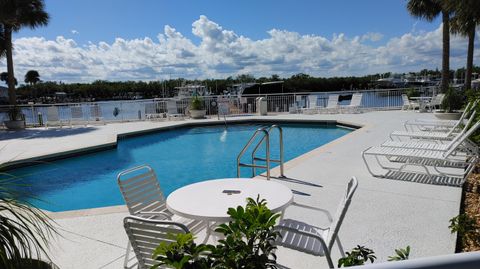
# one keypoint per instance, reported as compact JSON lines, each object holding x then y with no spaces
{"x":422,"y":102}
{"x":209,"y":200}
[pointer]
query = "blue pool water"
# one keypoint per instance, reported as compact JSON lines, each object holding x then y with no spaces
{"x":179,"y":157}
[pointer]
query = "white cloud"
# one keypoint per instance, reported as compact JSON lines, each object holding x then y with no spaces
{"x":74,"y":32}
{"x":222,"y":53}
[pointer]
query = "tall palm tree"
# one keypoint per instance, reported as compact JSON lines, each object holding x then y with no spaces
{"x":32,"y":77}
{"x":3,"y":49}
{"x":466,"y":17}
{"x":429,"y":10}
{"x":15,"y":14}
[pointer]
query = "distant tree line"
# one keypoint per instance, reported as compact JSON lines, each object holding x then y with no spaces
{"x":37,"y":90}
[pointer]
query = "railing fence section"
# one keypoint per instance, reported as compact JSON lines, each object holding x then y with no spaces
{"x":135,"y":110}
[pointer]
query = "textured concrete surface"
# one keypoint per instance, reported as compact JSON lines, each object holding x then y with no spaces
{"x":384,"y":214}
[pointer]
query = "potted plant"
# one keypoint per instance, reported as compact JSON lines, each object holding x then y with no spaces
{"x":197,"y":110}
{"x":451,"y":105}
{"x":16,"y":119}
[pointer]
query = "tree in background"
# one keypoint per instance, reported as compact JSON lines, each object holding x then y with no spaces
{"x":32,"y":77}
{"x":429,"y":10}
{"x":4,"y":77}
{"x":14,"y":15}
{"x":466,"y":17}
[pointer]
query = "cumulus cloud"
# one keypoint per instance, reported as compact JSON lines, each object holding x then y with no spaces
{"x":74,"y":32}
{"x":222,"y":52}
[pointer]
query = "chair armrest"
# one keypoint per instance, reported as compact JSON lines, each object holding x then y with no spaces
{"x":153,"y":213}
{"x":329,"y":216}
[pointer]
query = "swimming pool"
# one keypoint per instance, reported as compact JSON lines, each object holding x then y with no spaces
{"x":178,"y":156}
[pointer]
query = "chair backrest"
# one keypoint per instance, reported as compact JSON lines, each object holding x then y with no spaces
{"x":145,"y":235}
{"x":172,"y":107}
{"x":406,"y":101}
{"x":460,"y":121}
{"x":356,"y":99}
{"x":312,"y":100}
{"x":341,"y":211}
{"x":453,"y":145}
{"x":77,"y":112}
{"x":141,"y":190}
{"x":52,"y":114}
{"x":332,"y":101}
{"x":95,"y":111}
{"x":438,"y":99}
{"x":150,"y":108}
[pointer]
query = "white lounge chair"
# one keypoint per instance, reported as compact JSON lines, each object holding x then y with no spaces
{"x":53,"y":117}
{"x":443,"y":136}
{"x":312,"y":105}
{"x":311,"y":239}
{"x":354,"y":105}
{"x":172,"y":110}
{"x":144,"y":198}
{"x":332,"y":104}
{"x":145,"y":235}
{"x":435,"y":125}
{"x":458,"y":164}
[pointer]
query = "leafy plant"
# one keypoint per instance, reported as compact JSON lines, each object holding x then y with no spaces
{"x":24,"y":229}
{"x":249,"y":237}
{"x":183,"y":253}
{"x":358,"y":256}
{"x":15,"y":113}
{"x":412,"y":92}
{"x":196,"y":103}
{"x":466,"y":227}
{"x":249,"y":242}
{"x":400,"y":254}
{"x":453,"y":100}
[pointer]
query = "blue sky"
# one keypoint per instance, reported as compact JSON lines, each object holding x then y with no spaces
{"x":151,"y":40}
{"x":104,"y":20}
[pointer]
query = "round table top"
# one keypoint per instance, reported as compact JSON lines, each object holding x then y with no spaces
{"x":210,"y":200}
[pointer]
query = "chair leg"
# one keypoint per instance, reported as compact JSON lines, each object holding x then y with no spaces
{"x":329,"y":259}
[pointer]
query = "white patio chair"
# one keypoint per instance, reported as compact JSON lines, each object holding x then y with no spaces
{"x":311,"y":239}
{"x":436,"y":101}
{"x":458,"y":163}
{"x":96,"y":114}
{"x":354,"y":105}
{"x":434,"y":135}
{"x":143,"y":196}
{"x":77,"y":115}
{"x":332,"y":104}
{"x":145,"y":235}
{"x":172,"y":110}
{"x":312,"y":105}
{"x":151,"y":111}
{"x":53,"y":117}
{"x":409,"y":104}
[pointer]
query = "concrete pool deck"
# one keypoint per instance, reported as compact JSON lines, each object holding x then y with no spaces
{"x":384,"y":214}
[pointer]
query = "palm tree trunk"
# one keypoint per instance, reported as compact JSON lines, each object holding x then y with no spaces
{"x":11,"y":76}
{"x":468,"y":75}
{"x":446,"y":51}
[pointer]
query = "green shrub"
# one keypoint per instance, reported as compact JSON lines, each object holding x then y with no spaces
{"x":358,"y":256}
{"x":249,"y":242}
{"x":465,"y":226}
{"x":473,"y":95}
{"x":196,"y":103}
{"x":454,"y":100}
{"x":400,"y":254}
{"x":412,"y":92}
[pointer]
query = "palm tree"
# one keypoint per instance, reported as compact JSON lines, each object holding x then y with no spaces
{"x":3,"y":50}
{"x":24,"y":229}
{"x":466,"y":17}
{"x":32,"y":77}
{"x":4,"y":77}
{"x":15,"y":14}
{"x":429,"y":10}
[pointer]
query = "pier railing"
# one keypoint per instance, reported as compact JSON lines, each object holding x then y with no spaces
{"x":137,"y":110}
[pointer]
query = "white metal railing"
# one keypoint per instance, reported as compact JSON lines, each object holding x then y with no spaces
{"x":468,"y":260}
{"x":134,"y":110}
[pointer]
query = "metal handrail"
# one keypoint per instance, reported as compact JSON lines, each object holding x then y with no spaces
{"x":267,"y":151}
{"x":280,"y":133}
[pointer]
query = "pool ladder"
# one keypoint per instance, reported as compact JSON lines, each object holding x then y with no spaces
{"x":264,"y":132}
